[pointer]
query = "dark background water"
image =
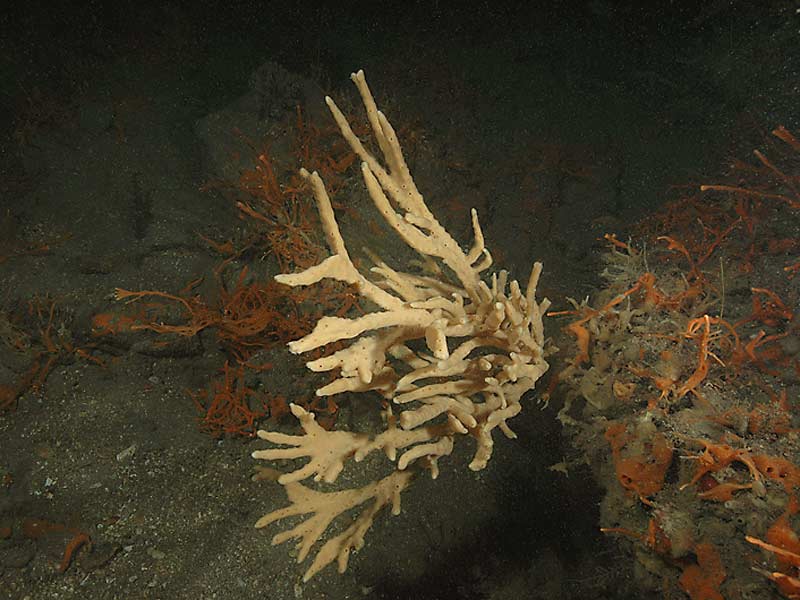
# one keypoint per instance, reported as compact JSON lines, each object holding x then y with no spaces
{"x":655,"y":93}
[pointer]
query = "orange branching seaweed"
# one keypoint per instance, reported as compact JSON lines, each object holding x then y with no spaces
{"x":703,"y":228}
{"x":110,"y":323}
{"x":582,"y":339}
{"x":37,"y":528}
{"x":756,"y":186}
{"x":325,"y":410}
{"x":252,"y":316}
{"x":256,"y":316}
{"x":578,"y":329}
{"x":784,"y":544}
{"x":228,"y":408}
{"x":45,"y":344}
{"x":788,"y":585}
{"x":232,"y":407}
{"x":717,"y":456}
{"x":678,"y":246}
{"x":199,"y":316}
{"x":697,"y":279}
{"x":78,"y":540}
{"x":702,"y":324}
{"x":698,"y":329}
{"x":682,"y":215}
{"x":746,"y":192}
{"x":785,"y":135}
{"x":774,"y":183}
{"x":655,"y":538}
{"x":770,"y":311}
{"x":291,"y":239}
{"x":282,"y":219}
{"x":719,"y":236}
{"x":782,"y":535}
{"x":323,"y":150}
{"x":723,"y":492}
{"x":772,"y":354}
{"x":663,"y":384}
{"x":286,"y":218}
{"x":261,"y":183}
{"x":674,"y":338}
{"x":246,"y":320}
{"x":225,"y":248}
{"x":616,"y":243}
